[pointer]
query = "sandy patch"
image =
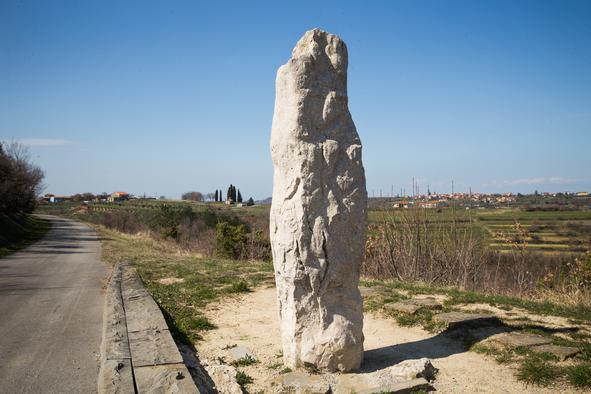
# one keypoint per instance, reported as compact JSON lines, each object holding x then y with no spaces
{"x":170,"y":280}
{"x":251,"y":320}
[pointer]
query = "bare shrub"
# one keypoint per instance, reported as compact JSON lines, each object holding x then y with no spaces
{"x":416,"y":245}
{"x":123,"y":220}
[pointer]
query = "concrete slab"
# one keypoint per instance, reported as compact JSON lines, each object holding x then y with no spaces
{"x":170,"y":378}
{"x":153,"y":347}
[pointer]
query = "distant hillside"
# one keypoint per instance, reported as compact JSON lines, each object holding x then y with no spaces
{"x":266,"y":201}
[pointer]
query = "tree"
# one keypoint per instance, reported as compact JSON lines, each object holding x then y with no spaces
{"x":239,"y":196}
{"x":216,"y":196}
{"x":250,"y":202}
{"x":229,"y":194}
{"x":20,"y":180}
{"x":192,"y":196}
{"x":209,"y":197}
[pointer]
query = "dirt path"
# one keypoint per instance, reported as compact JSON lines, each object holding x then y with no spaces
{"x":251,"y":321}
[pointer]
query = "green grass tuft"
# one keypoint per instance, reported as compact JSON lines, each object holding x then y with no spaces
{"x":238,"y":287}
{"x":579,"y":375}
{"x":538,"y":371}
{"x":244,"y":361}
{"x":243,"y":379}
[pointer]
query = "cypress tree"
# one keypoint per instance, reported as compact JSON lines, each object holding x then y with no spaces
{"x":239,"y":196}
{"x":216,"y":196}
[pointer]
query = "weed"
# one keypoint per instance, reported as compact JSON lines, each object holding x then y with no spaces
{"x":243,"y":379}
{"x":244,"y":361}
{"x":238,"y":287}
{"x":420,"y":317}
{"x":579,"y":375}
{"x":275,"y":366}
{"x":537,"y":371}
{"x":285,"y":370}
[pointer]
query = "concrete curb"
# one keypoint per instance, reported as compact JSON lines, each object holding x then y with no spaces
{"x":138,"y":354}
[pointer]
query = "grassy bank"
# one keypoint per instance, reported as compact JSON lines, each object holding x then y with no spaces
{"x":20,"y":230}
{"x":183,"y":283}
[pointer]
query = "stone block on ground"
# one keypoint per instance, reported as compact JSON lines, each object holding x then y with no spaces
{"x":466,"y":320}
{"x":165,"y":379}
{"x":517,"y":339}
{"x":143,"y":314}
{"x":402,"y":307}
{"x":562,"y":352}
{"x":303,"y":383}
{"x":430,"y":303}
{"x":402,"y":376}
{"x":413,"y":305}
{"x":153,"y":347}
{"x":407,"y":387}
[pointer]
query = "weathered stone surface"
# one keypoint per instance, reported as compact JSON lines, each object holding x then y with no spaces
{"x":406,"y":387}
{"x":319,"y":210}
{"x":562,"y":352}
{"x":303,"y":383}
{"x":402,"y":306}
{"x":115,"y":377}
{"x":413,"y":305}
{"x":224,"y":377}
{"x":169,"y":378}
{"x":516,"y":339}
{"x":465,"y":320}
{"x":427,"y":303}
{"x":153,"y":347}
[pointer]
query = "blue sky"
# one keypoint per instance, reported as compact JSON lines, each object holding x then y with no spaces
{"x":170,"y":96}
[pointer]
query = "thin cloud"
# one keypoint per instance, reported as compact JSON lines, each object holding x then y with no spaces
{"x":43,"y":142}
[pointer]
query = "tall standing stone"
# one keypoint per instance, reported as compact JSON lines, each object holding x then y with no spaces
{"x":319,"y":210}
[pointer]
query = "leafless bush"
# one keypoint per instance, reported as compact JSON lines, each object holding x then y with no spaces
{"x":195,"y":235}
{"x":122,"y":220}
{"x":415,"y":246}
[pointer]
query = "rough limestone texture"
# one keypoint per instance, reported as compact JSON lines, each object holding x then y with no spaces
{"x":319,"y":209}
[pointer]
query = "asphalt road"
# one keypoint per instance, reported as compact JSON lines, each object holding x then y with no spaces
{"x":51,"y":307}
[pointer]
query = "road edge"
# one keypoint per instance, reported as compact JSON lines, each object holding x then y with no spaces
{"x":138,"y":353}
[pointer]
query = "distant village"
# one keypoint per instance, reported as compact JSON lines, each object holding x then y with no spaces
{"x":480,"y":200}
{"x":429,"y":200}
